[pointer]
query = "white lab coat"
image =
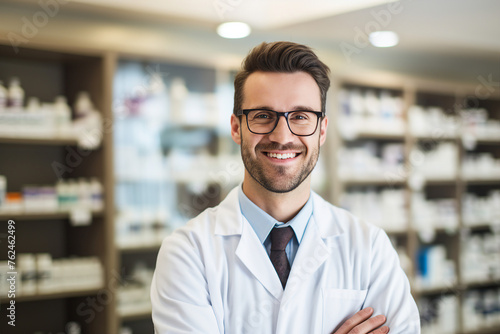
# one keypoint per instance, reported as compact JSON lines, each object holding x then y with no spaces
{"x":214,"y":276}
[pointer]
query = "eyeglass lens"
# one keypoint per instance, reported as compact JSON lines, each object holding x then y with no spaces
{"x":302,"y":123}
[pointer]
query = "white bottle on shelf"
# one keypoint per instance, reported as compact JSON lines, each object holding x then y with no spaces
{"x":63,"y":115}
{"x":44,"y":272}
{"x":97,"y":195}
{"x":3,"y":190}
{"x":33,"y":105}
{"x":26,"y":267}
{"x":84,"y":194}
{"x":73,"y":328}
{"x":83,"y":106}
{"x":15,"y":95}
{"x":178,"y":97}
{"x":3,"y":97}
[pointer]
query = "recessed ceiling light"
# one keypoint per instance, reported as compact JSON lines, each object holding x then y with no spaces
{"x":233,"y":30}
{"x":384,"y":39}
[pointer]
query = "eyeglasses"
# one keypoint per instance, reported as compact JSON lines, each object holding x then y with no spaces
{"x":264,"y":121}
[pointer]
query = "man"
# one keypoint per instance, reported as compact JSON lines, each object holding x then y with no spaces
{"x":274,"y":257}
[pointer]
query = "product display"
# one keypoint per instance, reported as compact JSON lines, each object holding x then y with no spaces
{"x":385,"y":208}
{"x":40,"y":274}
{"x":432,"y":122}
{"x":481,"y":309}
{"x":59,"y":266}
{"x":371,"y":161}
{"x":480,"y":258}
{"x":432,"y":185}
{"x":436,"y":161}
{"x":439,"y":315}
{"x":65,"y":196}
{"x":49,"y":120}
{"x":133,"y":295}
{"x":477,"y":125}
{"x":480,"y":166}
{"x":481,"y":210}
{"x":434,"y":269}
{"x":365,"y":110}
{"x":429,"y":215}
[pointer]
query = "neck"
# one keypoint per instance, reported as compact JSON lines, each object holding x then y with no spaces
{"x":281,"y":206}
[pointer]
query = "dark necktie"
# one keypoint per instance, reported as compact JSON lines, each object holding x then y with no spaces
{"x":279,"y":239}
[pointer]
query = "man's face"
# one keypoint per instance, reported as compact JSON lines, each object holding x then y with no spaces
{"x":280,"y":92}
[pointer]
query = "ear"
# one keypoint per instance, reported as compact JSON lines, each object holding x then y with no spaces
{"x":236,"y":129}
{"x":323,"y":129}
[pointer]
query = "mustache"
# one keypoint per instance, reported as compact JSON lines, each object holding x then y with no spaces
{"x":279,"y":147}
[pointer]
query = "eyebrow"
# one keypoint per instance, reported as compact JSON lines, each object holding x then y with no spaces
{"x":294,"y":108}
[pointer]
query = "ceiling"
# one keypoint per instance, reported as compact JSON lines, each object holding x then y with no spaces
{"x":468,"y":25}
{"x":454,"y":38}
{"x":261,"y":14}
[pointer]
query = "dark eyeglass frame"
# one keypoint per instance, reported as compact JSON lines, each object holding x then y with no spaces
{"x":285,"y":114}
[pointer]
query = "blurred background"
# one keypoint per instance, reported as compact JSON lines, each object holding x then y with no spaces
{"x":114,"y":130}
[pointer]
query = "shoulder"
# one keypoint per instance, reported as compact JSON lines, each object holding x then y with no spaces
{"x":333,"y":220}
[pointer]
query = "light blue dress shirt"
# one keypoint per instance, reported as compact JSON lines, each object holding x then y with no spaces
{"x":262,"y":223}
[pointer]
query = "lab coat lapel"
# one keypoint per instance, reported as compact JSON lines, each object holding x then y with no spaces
{"x":312,"y":253}
{"x":250,"y":251}
{"x":313,"y":250}
{"x":255,"y":258}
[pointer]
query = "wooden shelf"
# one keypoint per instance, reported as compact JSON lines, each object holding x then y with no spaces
{"x":54,"y":295}
{"x":482,"y":284}
{"x":485,"y":141}
{"x":377,"y":135}
{"x":135,"y":315}
{"x":371,"y":182}
{"x":479,"y":182}
{"x":438,"y":290}
{"x":39,"y":141}
{"x":16,"y":216}
{"x":484,"y":330}
{"x":479,"y":227}
{"x":140,"y":248}
{"x":440,"y":181}
{"x":431,"y":137}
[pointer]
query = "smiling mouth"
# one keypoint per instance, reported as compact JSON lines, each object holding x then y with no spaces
{"x":282,"y":156}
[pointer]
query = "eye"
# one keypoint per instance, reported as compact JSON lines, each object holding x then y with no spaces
{"x":300,"y":116}
{"x":263,"y":115}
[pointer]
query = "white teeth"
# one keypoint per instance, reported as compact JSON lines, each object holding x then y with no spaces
{"x":282,"y":156}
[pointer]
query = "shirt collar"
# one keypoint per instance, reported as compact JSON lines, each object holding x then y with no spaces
{"x":263,"y":223}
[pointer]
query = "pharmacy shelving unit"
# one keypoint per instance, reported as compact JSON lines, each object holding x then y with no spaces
{"x":441,"y":185}
{"x":167,"y":173}
{"x":45,"y":72}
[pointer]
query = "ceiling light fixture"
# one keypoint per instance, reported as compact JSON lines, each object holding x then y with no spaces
{"x":233,"y":30}
{"x":384,"y":39}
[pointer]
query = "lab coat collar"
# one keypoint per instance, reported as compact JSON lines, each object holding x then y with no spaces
{"x":322,"y":226}
{"x":325,"y":219}
{"x":229,"y":219}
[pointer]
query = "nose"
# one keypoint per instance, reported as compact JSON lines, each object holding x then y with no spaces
{"x":281,"y":134}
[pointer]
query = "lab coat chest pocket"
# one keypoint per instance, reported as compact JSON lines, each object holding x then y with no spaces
{"x":339,"y":305}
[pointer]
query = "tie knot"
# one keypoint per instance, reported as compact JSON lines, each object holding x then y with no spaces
{"x":280,"y":238}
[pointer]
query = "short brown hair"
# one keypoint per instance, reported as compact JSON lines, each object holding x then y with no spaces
{"x":286,"y":57}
